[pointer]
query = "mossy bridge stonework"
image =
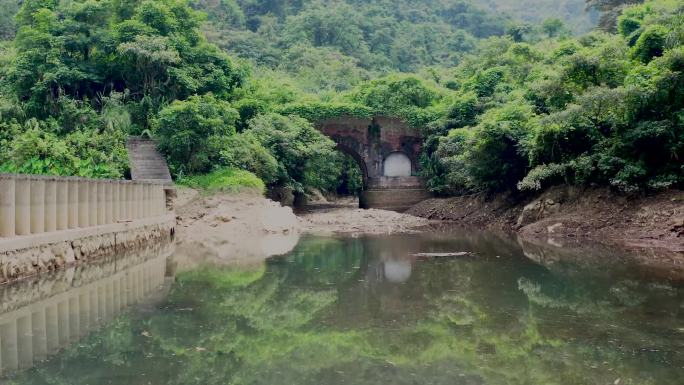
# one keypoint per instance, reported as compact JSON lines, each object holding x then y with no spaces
{"x":387,"y":151}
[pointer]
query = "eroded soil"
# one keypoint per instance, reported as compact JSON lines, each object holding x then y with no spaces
{"x":565,"y":217}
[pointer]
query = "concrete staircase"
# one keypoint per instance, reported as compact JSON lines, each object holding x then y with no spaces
{"x":145,"y":161}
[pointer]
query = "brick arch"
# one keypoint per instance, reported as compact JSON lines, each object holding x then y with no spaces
{"x":369,"y":142}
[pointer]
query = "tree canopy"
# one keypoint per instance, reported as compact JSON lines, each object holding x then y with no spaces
{"x":507,"y":101}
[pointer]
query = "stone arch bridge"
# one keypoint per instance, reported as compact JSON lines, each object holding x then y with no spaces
{"x":386,"y":150}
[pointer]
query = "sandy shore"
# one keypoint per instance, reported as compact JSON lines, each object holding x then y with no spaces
{"x":223,"y":228}
{"x":242,"y":228}
{"x":344,"y":217}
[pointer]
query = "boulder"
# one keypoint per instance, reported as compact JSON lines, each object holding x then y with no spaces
{"x":538,"y":209}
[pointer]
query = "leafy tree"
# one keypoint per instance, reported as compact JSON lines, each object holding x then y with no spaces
{"x":8,"y":8}
{"x":554,"y":27}
{"x":651,"y":43}
{"x":610,"y":10}
{"x":244,"y":151}
{"x":85,"y":49}
{"x":296,"y":145}
{"x":187,"y":132}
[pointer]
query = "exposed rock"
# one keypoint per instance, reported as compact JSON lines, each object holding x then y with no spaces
{"x":652,"y":224}
{"x":539,"y":209}
{"x":553,"y":228}
{"x":678,"y":227}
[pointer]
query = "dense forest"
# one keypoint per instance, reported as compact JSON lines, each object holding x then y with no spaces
{"x":510,"y":97}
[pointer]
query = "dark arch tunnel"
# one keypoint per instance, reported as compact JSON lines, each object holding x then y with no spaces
{"x":358,"y":159}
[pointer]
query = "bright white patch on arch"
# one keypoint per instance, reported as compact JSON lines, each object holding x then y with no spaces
{"x":397,"y":164}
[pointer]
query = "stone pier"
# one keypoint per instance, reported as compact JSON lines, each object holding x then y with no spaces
{"x":47,"y":222}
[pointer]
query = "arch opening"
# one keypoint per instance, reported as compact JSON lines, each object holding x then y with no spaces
{"x":356,"y":158}
{"x":397,"y":164}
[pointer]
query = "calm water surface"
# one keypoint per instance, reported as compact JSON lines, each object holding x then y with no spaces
{"x":350,"y":311}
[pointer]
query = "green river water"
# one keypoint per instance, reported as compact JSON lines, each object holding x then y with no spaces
{"x":365,"y":310}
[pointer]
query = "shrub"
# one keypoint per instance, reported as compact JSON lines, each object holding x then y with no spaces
{"x":495,"y":161}
{"x":317,"y":111}
{"x":225,"y":179}
{"x":651,"y":43}
{"x":541,"y":175}
{"x":395,"y":94}
{"x":35,"y":149}
{"x":560,"y":137}
{"x":484,"y":82}
{"x":628,"y":25}
{"x":244,"y":151}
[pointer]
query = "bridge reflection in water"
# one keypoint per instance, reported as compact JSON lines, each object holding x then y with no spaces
{"x":41,"y":316}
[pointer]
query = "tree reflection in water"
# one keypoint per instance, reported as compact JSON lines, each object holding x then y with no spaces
{"x":367,"y":311}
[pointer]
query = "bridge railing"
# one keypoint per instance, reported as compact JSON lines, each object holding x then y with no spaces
{"x":32,"y":204}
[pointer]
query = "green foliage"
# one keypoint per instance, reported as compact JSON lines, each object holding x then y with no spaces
{"x":494,"y":160}
{"x":8,"y":8}
{"x":244,"y":151}
{"x":543,"y":174}
{"x":225,"y":180}
{"x":84,"y":50}
{"x":317,"y":111}
{"x":571,"y":12}
{"x":334,"y":44}
{"x":484,"y":82}
{"x":187,"y":132}
{"x":82,"y":75}
{"x":298,"y":147}
{"x":554,"y":27}
{"x":503,"y":102}
{"x":394,"y":94}
{"x":610,"y":11}
{"x":35,"y":148}
{"x":406,"y":96}
{"x":651,"y":43}
{"x":222,"y":12}
{"x":597,"y":116}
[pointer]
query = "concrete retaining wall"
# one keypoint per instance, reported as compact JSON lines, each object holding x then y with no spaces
{"x":49,"y":222}
{"x":31,"y":204}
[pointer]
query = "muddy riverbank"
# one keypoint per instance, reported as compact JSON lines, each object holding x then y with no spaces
{"x":571,"y":218}
{"x":248,"y":227}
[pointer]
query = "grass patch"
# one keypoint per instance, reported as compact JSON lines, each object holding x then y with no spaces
{"x":225,"y":179}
